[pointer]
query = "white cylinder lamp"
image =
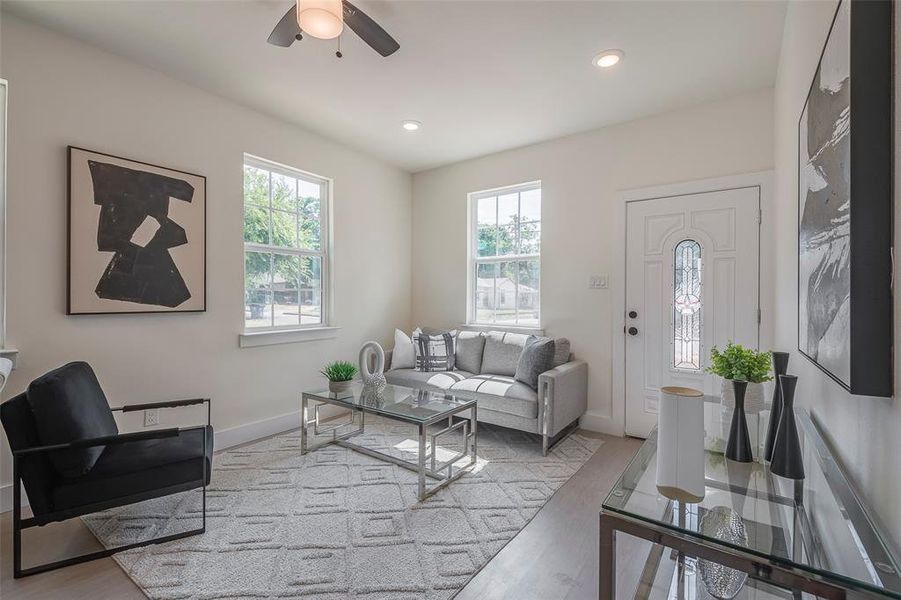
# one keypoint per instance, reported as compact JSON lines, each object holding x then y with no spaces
{"x":680,"y":444}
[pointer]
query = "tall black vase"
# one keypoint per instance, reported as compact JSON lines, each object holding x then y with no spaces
{"x":739,"y":446}
{"x":780,"y":367}
{"x":787,"y":460}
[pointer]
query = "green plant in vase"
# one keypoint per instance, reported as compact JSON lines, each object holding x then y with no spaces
{"x":735,"y":362}
{"x":340,"y":375}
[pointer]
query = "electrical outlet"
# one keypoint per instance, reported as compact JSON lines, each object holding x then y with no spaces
{"x":598,"y":282}
{"x":151,"y":417}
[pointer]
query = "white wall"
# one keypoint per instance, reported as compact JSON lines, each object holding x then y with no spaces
{"x":581,"y":176}
{"x":63,"y":92}
{"x":865,"y":432}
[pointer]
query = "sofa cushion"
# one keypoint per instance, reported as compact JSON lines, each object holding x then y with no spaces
{"x":440,"y":380}
{"x":537,"y":357}
{"x":470,"y":347}
{"x":499,"y":393}
{"x":502,"y":351}
{"x":69,"y":405}
{"x":562,"y":351}
{"x":139,"y":467}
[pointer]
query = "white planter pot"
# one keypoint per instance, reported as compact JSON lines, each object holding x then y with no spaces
{"x":680,"y":444}
{"x":754,"y":397}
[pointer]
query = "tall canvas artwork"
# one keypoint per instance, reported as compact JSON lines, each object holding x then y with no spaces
{"x":845,"y":203}
{"x":137,"y":239}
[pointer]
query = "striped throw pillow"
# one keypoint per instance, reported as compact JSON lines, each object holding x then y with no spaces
{"x":435,"y":352}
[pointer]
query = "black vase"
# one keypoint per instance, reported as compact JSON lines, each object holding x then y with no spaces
{"x":787,"y":460}
{"x":780,"y":367}
{"x":739,"y":446}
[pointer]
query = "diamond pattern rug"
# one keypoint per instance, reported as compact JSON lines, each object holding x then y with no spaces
{"x":336,"y":524}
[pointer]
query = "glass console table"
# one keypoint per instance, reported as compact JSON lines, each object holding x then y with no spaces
{"x":813,"y":536}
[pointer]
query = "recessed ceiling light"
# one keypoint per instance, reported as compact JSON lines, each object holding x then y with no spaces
{"x":607,"y":58}
{"x":411,"y":125}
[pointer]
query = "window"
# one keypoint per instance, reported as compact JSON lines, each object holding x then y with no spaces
{"x":505,"y":242}
{"x":687,"y":305}
{"x":285,"y":247}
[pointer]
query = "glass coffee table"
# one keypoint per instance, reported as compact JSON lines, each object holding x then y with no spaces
{"x":754,"y":533}
{"x":420,"y":408}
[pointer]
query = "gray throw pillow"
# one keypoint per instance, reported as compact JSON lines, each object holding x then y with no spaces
{"x":561,"y":352}
{"x":470,"y":346}
{"x":537,"y":357}
{"x":502,"y":352}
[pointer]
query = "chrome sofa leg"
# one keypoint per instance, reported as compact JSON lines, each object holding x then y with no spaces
{"x":545,"y":444}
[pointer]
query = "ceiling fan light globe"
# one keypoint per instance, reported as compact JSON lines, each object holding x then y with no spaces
{"x":322,"y":19}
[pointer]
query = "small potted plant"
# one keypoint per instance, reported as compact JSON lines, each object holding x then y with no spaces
{"x":736,"y":362}
{"x":340,"y":375}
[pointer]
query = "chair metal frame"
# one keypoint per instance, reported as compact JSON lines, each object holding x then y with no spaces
{"x":19,"y":523}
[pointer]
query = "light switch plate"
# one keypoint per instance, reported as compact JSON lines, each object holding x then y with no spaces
{"x":598,"y":282}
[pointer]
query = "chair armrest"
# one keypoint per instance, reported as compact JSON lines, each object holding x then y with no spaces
{"x":108,"y":440}
{"x":562,"y":396}
{"x":164,"y":404}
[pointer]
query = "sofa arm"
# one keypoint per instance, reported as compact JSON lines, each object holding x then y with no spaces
{"x":388,"y":354}
{"x":562,"y":396}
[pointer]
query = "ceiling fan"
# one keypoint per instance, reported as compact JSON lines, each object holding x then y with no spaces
{"x":325,"y":19}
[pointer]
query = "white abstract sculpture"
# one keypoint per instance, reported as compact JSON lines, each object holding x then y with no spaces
{"x":375,"y":379}
{"x":6,"y":366}
{"x":680,"y":444}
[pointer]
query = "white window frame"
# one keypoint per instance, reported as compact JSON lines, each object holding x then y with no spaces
{"x":326,"y":186}
{"x":474,"y":260}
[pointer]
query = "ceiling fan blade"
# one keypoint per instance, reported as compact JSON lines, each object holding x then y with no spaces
{"x":368,"y":30}
{"x":286,"y":30}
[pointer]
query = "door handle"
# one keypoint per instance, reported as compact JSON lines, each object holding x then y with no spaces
{"x":633,"y":331}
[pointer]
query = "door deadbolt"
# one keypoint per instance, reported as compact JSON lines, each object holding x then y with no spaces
{"x":633,"y":314}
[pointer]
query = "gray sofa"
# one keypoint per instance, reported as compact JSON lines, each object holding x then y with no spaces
{"x":557,"y":404}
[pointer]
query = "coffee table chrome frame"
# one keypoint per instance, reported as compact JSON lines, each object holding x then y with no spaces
{"x":427,"y":442}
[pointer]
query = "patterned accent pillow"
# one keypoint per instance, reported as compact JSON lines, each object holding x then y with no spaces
{"x":435,"y":352}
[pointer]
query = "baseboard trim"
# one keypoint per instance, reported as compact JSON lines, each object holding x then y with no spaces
{"x":248,"y":432}
{"x":600,"y":423}
{"x":224,"y":438}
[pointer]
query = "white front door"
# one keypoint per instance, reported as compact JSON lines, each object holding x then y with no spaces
{"x":692,"y":278}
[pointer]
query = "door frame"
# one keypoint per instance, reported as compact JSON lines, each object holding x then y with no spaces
{"x":615,"y":422}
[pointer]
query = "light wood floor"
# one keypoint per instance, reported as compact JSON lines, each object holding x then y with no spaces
{"x":554,"y":556}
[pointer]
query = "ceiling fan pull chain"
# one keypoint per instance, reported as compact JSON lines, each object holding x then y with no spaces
{"x":338,"y":53}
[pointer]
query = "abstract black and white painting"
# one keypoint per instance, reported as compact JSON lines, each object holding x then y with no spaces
{"x":844,"y":204}
{"x":824,"y":179}
{"x":137,"y":239}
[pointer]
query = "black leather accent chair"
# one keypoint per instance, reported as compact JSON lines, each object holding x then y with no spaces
{"x":72,"y":460}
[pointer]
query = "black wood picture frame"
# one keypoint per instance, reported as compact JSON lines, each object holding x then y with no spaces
{"x":871,"y":199}
{"x":69,"y":309}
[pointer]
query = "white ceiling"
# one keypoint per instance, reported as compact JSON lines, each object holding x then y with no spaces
{"x":481,"y":76}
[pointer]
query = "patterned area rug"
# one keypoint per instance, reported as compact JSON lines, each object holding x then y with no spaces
{"x":337,"y":524}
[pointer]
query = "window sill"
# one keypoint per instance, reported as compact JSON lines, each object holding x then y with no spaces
{"x":252,"y":339}
{"x":506,"y":328}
